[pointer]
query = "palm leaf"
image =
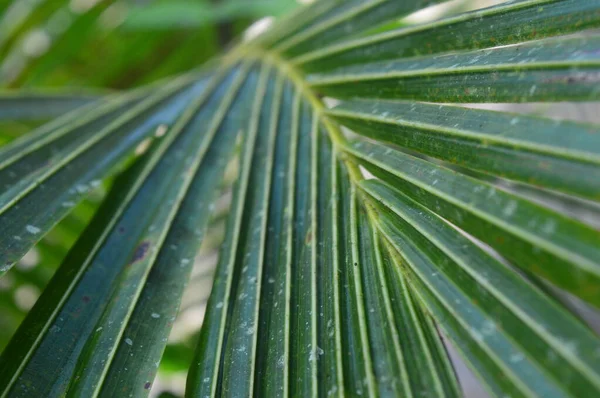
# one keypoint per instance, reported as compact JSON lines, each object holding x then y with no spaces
{"x":359,"y":233}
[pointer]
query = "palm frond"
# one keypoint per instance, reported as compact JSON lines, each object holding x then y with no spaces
{"x":359,"y":233}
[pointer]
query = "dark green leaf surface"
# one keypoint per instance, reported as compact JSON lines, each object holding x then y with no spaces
{"x":507,"y":23}
{"x":70,"y":291}
{"x":429,"y":372}
{"x":469,"y":282}
{"x":274,"y":306}
{"x":134,"y":365}
{"x":39,"y":201}
{"x":130,"y":244}
{"x":351,"y":16}
{"x":539,"y":240}
{"x":387,"y":355}
{"x":559,"y":155}
{"x":256,"y":163}
{"x":331,"y":376}
{"x":548,"y":70}
{"x":302,"y":19}
{"x":28,"y":161}
{"x":343,"y":258}
{"x":358,"y":368}
{"x":303,"y":304}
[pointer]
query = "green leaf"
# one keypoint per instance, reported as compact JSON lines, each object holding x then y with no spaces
{"x":549,"y":70}
{"x":552,"y":154}
{"x":541,"y":241}
{"x":189,"y":14}
{"x":56,"y":175}
{"x":40,"y":106}
{"x":350,"y":16}
{"x":73,"y":287}
{"x":507,"y":23}
{"x":331,"y":376}
{"x":359,"y":378}
{"x":347,"y":266}
{"x":117,"y":301}
{"x":164,"y":288}
{"x":303,"y":302}
{"x":205,"y":369}
{"x":273,"y":309}
{"x":453,"y":273}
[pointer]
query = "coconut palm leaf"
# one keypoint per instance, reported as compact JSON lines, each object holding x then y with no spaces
{"x":372,"y":223}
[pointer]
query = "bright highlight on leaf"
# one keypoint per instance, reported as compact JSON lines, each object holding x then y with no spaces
{"x":376,"y":217}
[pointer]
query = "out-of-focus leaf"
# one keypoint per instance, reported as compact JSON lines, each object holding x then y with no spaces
{"x":190,"y":14}
{"x":40,"y":106}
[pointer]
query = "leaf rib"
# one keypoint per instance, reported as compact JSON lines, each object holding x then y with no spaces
{"x":239,"y":361}
{"x":489,"y":27}
{"x":94,"y":364}
{"x":356,"y":15}
{"x":547,"y":153}
{"x":548,"y":70}
{"x":162,"y":293}
{"x":501,"y":291}
{"x":54,"y":191}
{"x":502,"y":220}
{"x":204,"y":375}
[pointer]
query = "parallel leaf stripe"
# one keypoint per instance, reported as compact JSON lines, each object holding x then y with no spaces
{"x":330,"y":363}
{"x":550,"y":54}
{"x":125,"y":189}
{"x":551,"y":322}
{"x":577,"y":141}
{"x":560,"y":242}
{"x":427,"y":374}
{"x":280,"y":247}
{"x":400,"y":357}
{"x":484,"y":366}
{"x":448,"y":376}
{"x":117,"y":316}
{"x":290,"y":217}
{"x":355,"y":274}
{"x":313,"y":231}
{"x":24,"y":174}
{"x":499,"y":25}
{"x":297,"y":22}
{"x":303,"y":373}
{"x":158,"y":98}
{"x":409,"y":254}
{"x":242,"y":326}
{"x":336,"y":264}
{"x":418,"y":329}
{"x":40,"y":106}
{"x":76,"y":321}
{"x":563,"y":156}
{"x":273,"y":354}
{"x":33,"y":140}
{"x":23,"y":224}
{"x":355,"y":16}
{"x":165,"y":284}
{"x":207,"y":365}
{"x":354,"y":10}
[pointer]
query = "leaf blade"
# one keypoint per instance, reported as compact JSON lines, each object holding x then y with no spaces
{"x":549,"y":70}
{"x":547,"y":153}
